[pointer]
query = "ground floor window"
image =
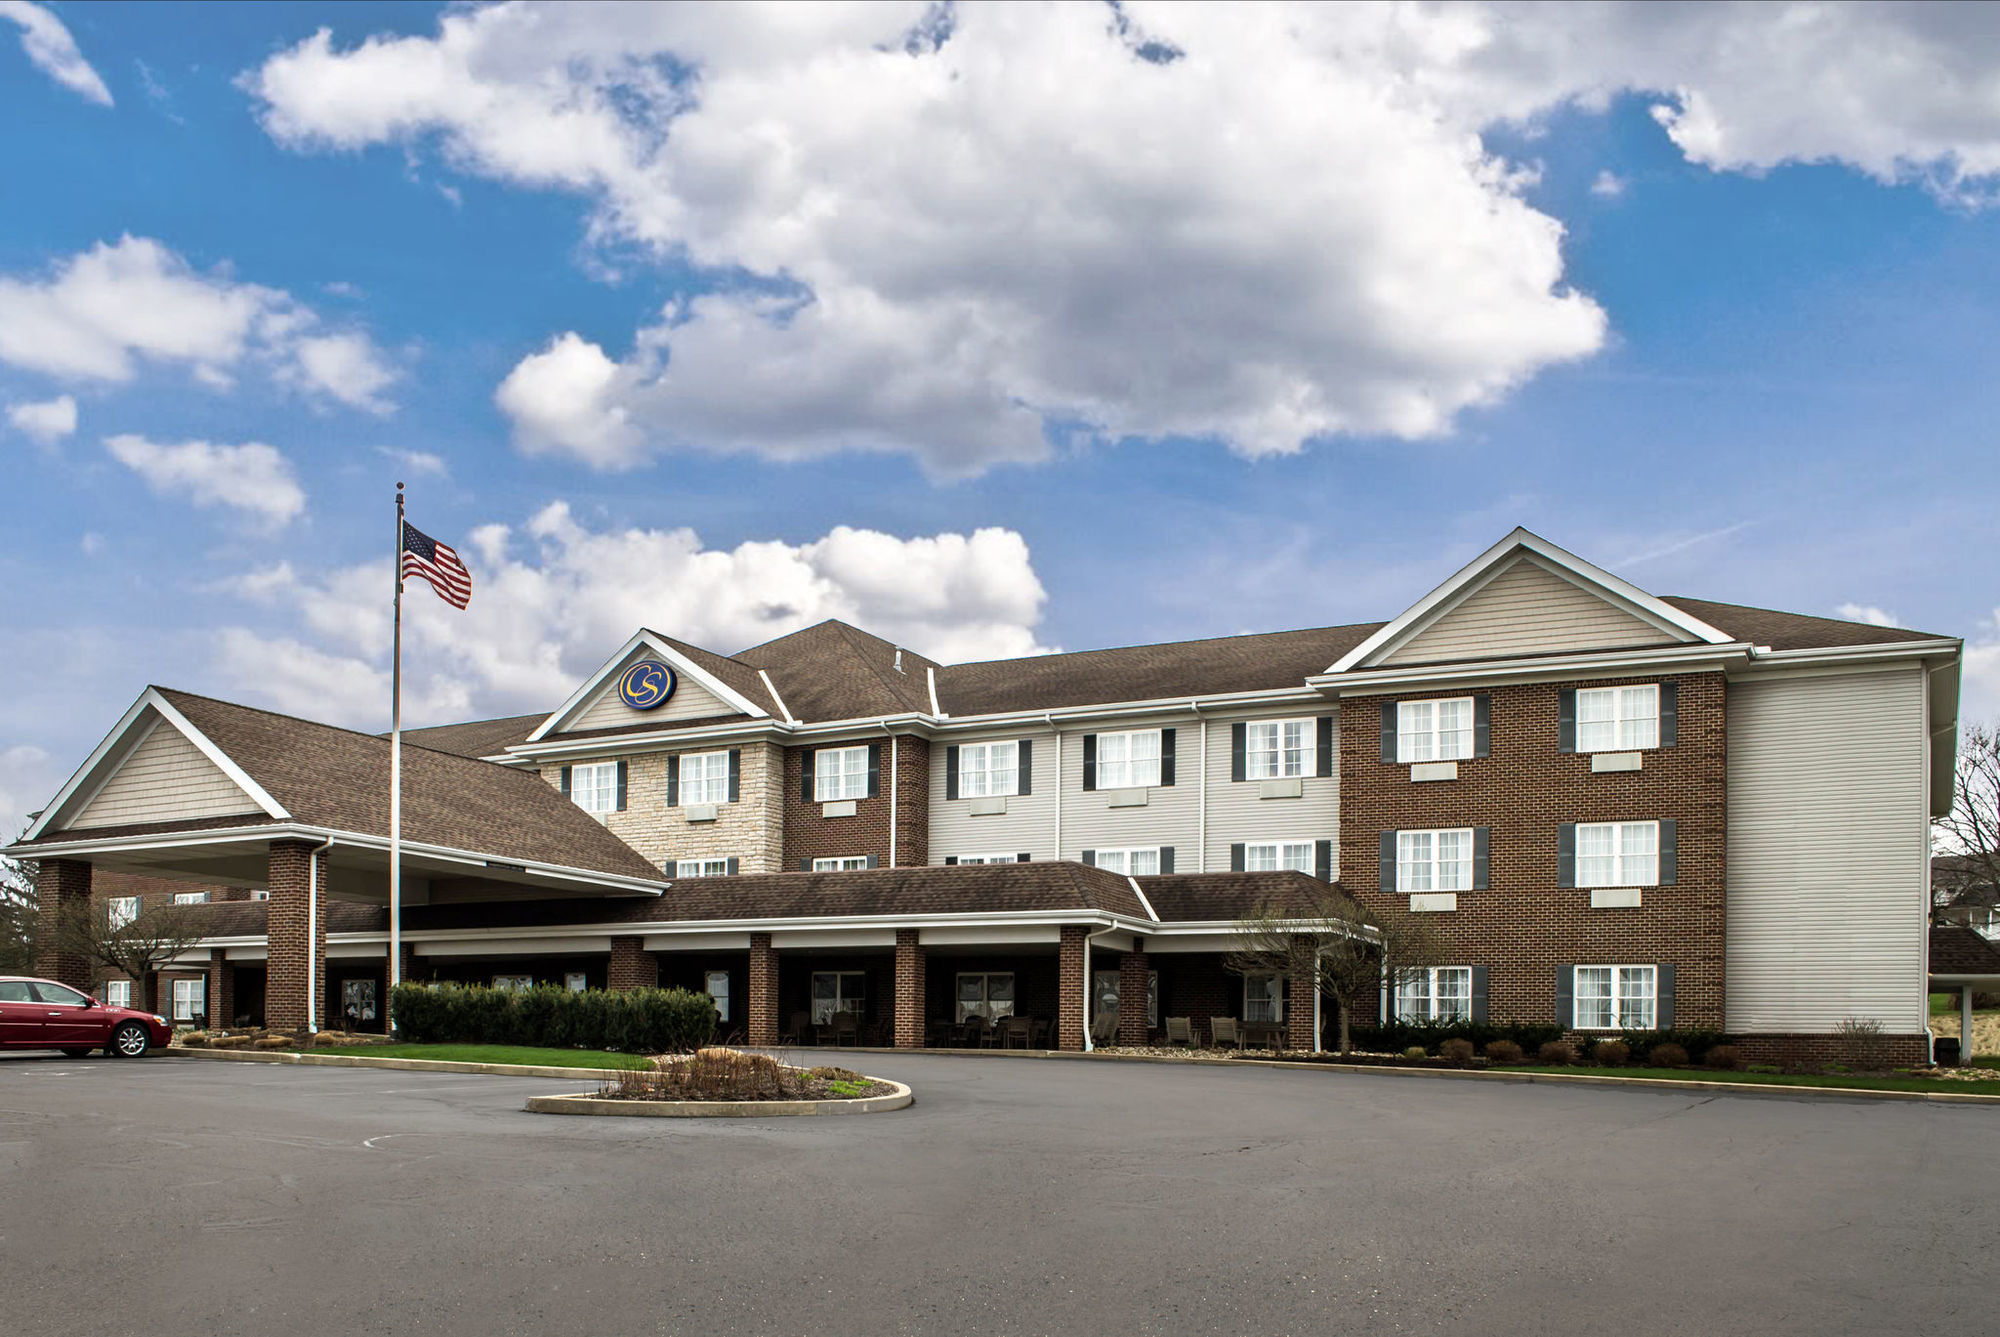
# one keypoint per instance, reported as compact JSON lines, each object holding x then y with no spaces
{"x":576,"y":981}
{"x":1615,"y":998}
{"x":717,"y":984}
{"x":1105,"y":996}
{"x":514,"y":982}
{"x":118,"y":993}
{"x":1442,"y":993}
{"x":1263,"y":998}
{"x":845,"y":864}
{"x":836,"y":991}
{"x":989,"y":994}
{"x":357,"y":1000}
{"x":190,"y":999}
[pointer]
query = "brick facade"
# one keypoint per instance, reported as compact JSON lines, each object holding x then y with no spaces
{"x":1072,"y":986}
{"x":295,"y":959}
{"x":761,"y":1007}
{"x":60,"y":885}
{"x":1132,"y":975}
{"x":632,"y":967}
{"x":810,"y":834}
{"x":1301,"y":1011}
{"x":1524,"y":926}
{"x":910,"y":1012}
{"x":221,"y":989}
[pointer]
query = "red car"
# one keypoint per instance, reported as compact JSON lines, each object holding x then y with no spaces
{"x":41,"y":1014}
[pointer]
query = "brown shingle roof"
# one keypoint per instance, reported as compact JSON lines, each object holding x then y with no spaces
{"x":475,"y":738}
{"x":832,"y":671}
{"x":1957,"y":950}
{"x":247,"y":919}
{"x":1793,"y":631}
{"x":1210,"y":897}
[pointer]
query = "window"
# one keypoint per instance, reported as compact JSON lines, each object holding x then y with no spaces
{"x":1434,"y":860}
{"x":987,"y":770}
{"x":190,"y":999}
{"x":594,"y":786}
{"x":1615,"y":998}
{"x":357,"y":1000}
{"x":514,"y":983}
{"x":1263,"y":998}
{"x":989,"y":858}
{"x":701,"y":868}
{"x":576,"y":982}
{"x":1128,"y":760}
{"x":1279,"y":749}
{"x":1274,"y":855}
{"x":845,"y":864}
{"x":190,"y":898}
{"x":1442,"y":993}
{"x":260,"y":894}
{"x":1617,"y":719}
{"x":716,"y":982}
{"x":118,"y":993}
{"x":1434,"y":730}
{"x":61,"y":995}
{"x":1105,"y":997}
{"x":120,"y":911}
{"x":836,"y":991}
{"x":1617,"y":854}
{"x":840,"y":772}
{"x":704,"y":778}
{"x":989,"y":994}
{"x":1143,"y":861}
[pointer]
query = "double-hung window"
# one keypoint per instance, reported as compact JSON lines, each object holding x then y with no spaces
{"x":1274,"y":855}
{"x":701,"y":868}
{"x":120,"y":911}
{"x":840,"y":773}
{"x":835,"y":991}
{"x":1279,"y":749}
{"x":1128,"y":760}
{"x":846,"y":863}
{"x":593,"y":786}
{"x":1141,"y":861}
{"x":118,"y":993}
{"x":1617,"y":854}
{"x":1616,"y":998}
{"x":1617,"y":719}
{"x":716,"y":982}
{"x":989,"y":994}
{"x":988,"y":858}
{"x":1434,"y":860}
{"x":1263,"y":998}
{"x":1434,"y":730}
{"x":190,"y":999}
{"x":190,"y":898}
{"x":1441,"y":993}
{"x":704,"y":778}
{"x":988,"y":770}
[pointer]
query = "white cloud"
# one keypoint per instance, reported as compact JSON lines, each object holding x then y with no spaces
{"x":1869,"y":613}
{"x":92,"y":543}
{"x":46,"y":421}
{"x":551,"y":599}
{"x":28,"y":779}
{"x":346,"y":367}
{"x":53,"y":51}
{"x":252,"y":477}
{"x":1980,"y":702}
{"x":1608,"y":185}
{"x":419,"y":463}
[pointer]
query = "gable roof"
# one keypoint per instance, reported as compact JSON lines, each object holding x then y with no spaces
{"x":475,"y":738}
{"x":1957,"y":950}
{"x":833,"y":671}
{"x":733,"y":684}
{"x":1795,"y":631}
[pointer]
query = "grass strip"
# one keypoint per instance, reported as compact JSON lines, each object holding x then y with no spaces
{"x":522,"y":1056}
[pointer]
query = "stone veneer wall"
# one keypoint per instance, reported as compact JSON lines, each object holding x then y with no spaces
{"x":750,"y":829}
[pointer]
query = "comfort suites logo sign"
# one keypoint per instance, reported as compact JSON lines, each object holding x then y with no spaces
{"x":646,"y":685}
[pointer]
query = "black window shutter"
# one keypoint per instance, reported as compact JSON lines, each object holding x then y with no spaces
{"x":1670,"y":714}
{"x":873,"y":862}
{"x":1566,"y":855}
{"x":1236,"y":858}
{"x":1090,"y":858}
{"x":730,"y":866}
{"x":805,"y":865}
{"x":1566,"y":720}
{"x":950,"y":859}
{"x":874,"y":770}
{"x":563,"y":781}
{"x":673,"y":781}
{"x":1389,"y":862}
{"x":1239,"y":751}
{"x":1023,"y":858}
{"x":1325,"y":767}
{"x":1090,"y":761}
{"x":621,"y":786}
{"x":806,"y":767}
{"x":1663,"y":999}
{"x":1566,"y":997}
{"x":1024,"y":767}
{"x":1166,"y":858}
{"x":1482,"y":726}
{"x":1389,"y":731}
{"x":1480,"y":862}
{"x":1167,"y":756}
{"x":1323,"y":860}
{"x":951,"y":772}
{"x":1479,"y":994}
{"x":1670,"y":855}
{"x":735,"y":774}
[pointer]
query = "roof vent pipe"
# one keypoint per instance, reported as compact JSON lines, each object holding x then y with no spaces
{"x":899,"y":659}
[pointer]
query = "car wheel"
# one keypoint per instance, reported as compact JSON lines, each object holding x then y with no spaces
{"x":75,"y":1053}
{"x":129,"y":1041}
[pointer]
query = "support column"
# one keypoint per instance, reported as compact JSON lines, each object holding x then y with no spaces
{"x":60,"y":886}
{"x":1301,"y":1002}
{"x":1965,"y":1027}
{"x":1132,"y":975}
{"x":762,"y":1013}
{"x":909,"y":990}
{"x":297,"y":961}
{"x":1072,"y":987}
{"x":221,"y":989}
{"x":632,"y":966}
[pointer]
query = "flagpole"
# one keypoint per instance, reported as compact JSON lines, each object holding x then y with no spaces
{"x":396,"y":770}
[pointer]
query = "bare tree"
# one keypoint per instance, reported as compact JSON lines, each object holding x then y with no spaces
{"x":1323,"y":933}
{"x":1968,"y":837}
{"x":137,"y":947}
{"x":19,"y":916}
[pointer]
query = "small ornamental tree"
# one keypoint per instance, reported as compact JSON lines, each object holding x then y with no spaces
{"x":1969,"y":835}
{"x":19,"y":917}
{"x":138,"y":947}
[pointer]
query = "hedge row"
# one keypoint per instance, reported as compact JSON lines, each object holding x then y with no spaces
{"x":1397,"y":1036}
{"x":637,"y":1021}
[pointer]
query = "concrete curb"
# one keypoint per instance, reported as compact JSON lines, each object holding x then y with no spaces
{"x":312,"y":1060}
{"x":720,"y":1109}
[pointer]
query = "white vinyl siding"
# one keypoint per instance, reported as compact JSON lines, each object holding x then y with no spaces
{"x":1618,"y":854}
{"x":1279,"y":749}
{"x":1526,"y":608}
{"x":1434,"y":730}
{"x":704,"y":778}
{"x":1434,"y":860}
{"x":593,"y":786}
{"x":1616,"y":998}
{"x":166,"y":779}
{"x":1171,"y":814}
{"x":1617,"y":719}
{"x":1828,"y":852}
{"x":1441,"y":993}
{"x":840,"y":773}
{"x":1239,"y":814}
{"x":1028,"y":825}
{"x":988,"y":770}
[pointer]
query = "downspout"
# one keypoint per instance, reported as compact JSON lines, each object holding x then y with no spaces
{"x":312,"y":936}
{"x":1090,"y":989}
{"x":1059,"y":784}
{"x":892,"y":792}
{"x":1201,"y":810}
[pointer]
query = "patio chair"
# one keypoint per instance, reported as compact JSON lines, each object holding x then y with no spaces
{"x":994,"y":1035}
{"x":1180,"y":1031}
{"x":1222,"y":1031}
{"x":972,"y":1031}
{"x":845,"y":1028}
{"x":796,"y":1033}
{"x":1104,"y":1028}
{"x":1038,"y":1033}
{"x":1013,"y":1029}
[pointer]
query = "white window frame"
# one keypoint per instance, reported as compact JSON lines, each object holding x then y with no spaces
{"x":260,"y":893}
{"x":700,"y":868}
{"x":842,"y":1000}
{"x":988,"y":858}
{"x":1121,"y":860}
{"x":1634,"y":858}
{"x":1128,"y":770}
{"x":1630,"y":716}
{"x":988,"y":1006}
{"x":593,"y":786}
{"x":118,"y":993}
{"x":514,"y":983}
{"x":703,"y":777}
{"x":1626,"y":1008}
{"x":189,"y":996}
{"x":120,"y":911}
{"x":1269,"y":1007}
{"x":833,"y":777}
{"x":715,"y":983}
{"x":1270,"y":754}
{"x":988,"y":779}
{"x":1421,"y":997}
{"x":190,"y":898}
{"x":1420,"y":735}
{"x":1269,"y":856}
{"x":1423,"y":850}
{"x":841,"y":863}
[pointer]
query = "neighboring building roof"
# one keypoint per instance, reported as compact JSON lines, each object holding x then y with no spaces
{"x":1794,"y":631}
{"x":477,"y":738}
{"x":1215,"y":897}
{"x":1957,"y":950}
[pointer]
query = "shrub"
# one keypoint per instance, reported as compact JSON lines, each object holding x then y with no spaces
{"x":1458,"y":1049}
{"x":1557,"y":1053}
{"x":1416,"y":1052}
{"x":639,"y":1021}
{"x":1502,"y":1051}
{"x":1611,"y":1053}
{"x":1667,"y":1056}
{"x":835,"y":1075}
{"x":1862,"y":1044}
{"x":1694,"y":1041}
{"x":1396,"y":1036}
{"x":1727,"y":1058}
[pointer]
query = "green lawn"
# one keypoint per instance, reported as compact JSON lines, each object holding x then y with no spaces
{"x":519,"y":1055}
{"x":1946,"y":1004}
{"x":1842,"y":1080}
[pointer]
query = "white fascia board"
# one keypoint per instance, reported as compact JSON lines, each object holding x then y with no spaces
{"x":1377,"y":682}
{"x":1303,"y":694}
{"x":1654,"y":609}
{"x":682,"y":664}
{"x":1853,"y":655}
{"x":559,"y":748}
{"x":824,"y":923}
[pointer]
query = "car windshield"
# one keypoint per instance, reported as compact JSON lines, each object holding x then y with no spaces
{"x":60,"y":993}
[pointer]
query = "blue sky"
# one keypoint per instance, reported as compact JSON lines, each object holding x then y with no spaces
{"x":1082,"y":372}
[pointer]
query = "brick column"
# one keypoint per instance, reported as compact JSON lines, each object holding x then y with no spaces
{"x":909,"y":990}
{"x":763,"y":1009}
{"x":632,"y":966}
{"x":1301,"y":1016}
{"x":1072,"y":987}
{"x":293,"y":959}
{"x":1132,"y":973}
{"x":221,"y":989}
{"x":59,"y":885}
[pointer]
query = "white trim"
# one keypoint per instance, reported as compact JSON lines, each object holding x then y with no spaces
{"x":682,"y":664}
{"x":536,"y":946}
{"x":930,"y":676}
{"x":1540,"y":668}
{"x":1151,"y":913}
{"x":771,"y":687}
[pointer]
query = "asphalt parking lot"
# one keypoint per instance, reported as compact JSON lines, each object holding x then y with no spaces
{"x":1014,"y":1197}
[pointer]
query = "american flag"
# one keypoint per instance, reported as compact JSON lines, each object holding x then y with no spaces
{"x":438,"y":563}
